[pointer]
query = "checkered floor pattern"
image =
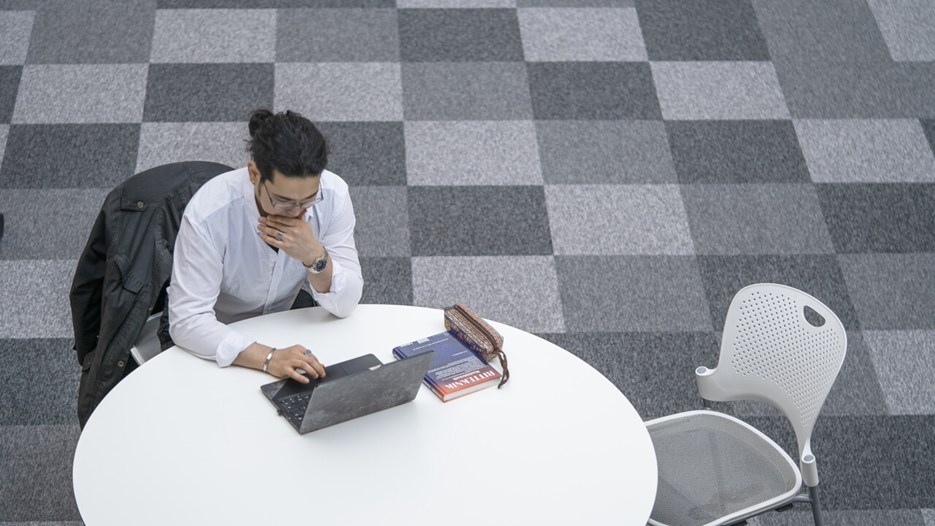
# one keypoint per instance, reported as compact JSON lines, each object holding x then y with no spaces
{"x":604,"y":173}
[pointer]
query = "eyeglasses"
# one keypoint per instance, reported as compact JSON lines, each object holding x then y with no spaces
{"x":288,"y":204}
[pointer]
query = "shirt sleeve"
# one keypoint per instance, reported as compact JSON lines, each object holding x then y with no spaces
{"x":197,"y":270}
{"x":347,"y":283}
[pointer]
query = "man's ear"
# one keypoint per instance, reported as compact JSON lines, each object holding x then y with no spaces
{"x":253,"y":172}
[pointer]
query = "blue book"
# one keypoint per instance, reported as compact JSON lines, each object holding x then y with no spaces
{"x":455,"y":370}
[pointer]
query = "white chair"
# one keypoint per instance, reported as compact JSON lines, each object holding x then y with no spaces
{"x":147,"y":344}
{"x":715,"y":469}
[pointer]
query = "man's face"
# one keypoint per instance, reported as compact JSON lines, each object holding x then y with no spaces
{"x":284,"y":196}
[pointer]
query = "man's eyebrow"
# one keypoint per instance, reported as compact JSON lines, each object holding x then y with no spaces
{"x":277,"y":196}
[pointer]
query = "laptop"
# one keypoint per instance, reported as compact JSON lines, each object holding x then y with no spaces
{"x":350,"y":389}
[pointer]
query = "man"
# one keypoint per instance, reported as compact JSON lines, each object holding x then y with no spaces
{"x":251,"y":238}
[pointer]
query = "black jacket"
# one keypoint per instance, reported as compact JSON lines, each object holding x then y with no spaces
{"x":124,"y":270}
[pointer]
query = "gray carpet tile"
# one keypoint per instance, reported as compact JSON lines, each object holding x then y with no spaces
{"x":92,"y":31}
{"x":387,"y":281}
{"x":35,"y":473}
{"x":18,"y":5}
{"x":43,"y":523}
{"x":214,"y":35}
{"x":907,"y":28}
{"x":30,"y":215}
{"x":592,"y":91}
{"x":604,"y":152}
{"x":9,"y":86}
{"x":751,"y":151}
{"x":905,"y":364}
{"x":521,"y":291}
{"x":366,"y":153}
{"x":472,"y":153}
{"x":929,"y":515}
{"x":801,"y":515}
{"x":382,"y":228}
{"x":701,"y":30}
{"x":563,"y":34}
{"x":632,"y":293}
{"x":15,"y":28}
{"x":34,"y":298}
{"x":272,"y":4}
{"x":69,"y":156}
{"x":168,"y":142}
{"x":466,"y":91}
{"x":207,"y":92}
{"x":454,"y":4}
{"x":718,"y":90}
{"x":866,"y":151}
{"x":82,"y":93}
{"x":879,"y":217}
{"x":337,"y":35}
{"x":4,"y":132}
{"x":928,"y":126}
{"x":756,"y":219}
{"x":478,"y":221}
{"x":342,"y":91}
{"x":818,"y":275}
{"x":618,"y":220}
{"x":35,"y":394}
{"x":655,"y":371}
{"x":575,"y":3}
{"x":891,"y":291}
{"x":459,"y":35}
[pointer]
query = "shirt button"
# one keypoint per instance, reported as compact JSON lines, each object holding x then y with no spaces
{"x":139,"y":204}
{"x":120,"y":363}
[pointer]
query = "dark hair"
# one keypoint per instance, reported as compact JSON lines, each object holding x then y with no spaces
{"x":288,"y":142}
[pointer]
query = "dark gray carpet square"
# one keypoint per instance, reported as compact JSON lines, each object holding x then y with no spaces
{"x":366,"y":153}
{"x":9,"y":86}
{"x":271,"y":4}
{"x":34,"y":395}
{"x":892,"y":291}
{"x":35,"y":473}
{"x":48,"y":223}
{"x":736,"y":152}
{"x":326,"y":35}
{"x":466,"y":91}
{"x":478,"y":221}
{"x":879,"y":217}
{"x":928,"y":126}
{"x":655,"y":371}
{"x":801,"y":515}
{"x":69,"y":155}
{"x":819,"y":276}
{"x":681,"y":30}
{"x":387,"y":281}
{"x":592,"y":91}
{"x":92,"y":32}
{"x":207,"y":92}
{"x":459,"y":35}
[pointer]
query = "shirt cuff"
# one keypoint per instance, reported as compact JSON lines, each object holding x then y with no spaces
{"x":337,"y":283}
{"x":230,"y":347}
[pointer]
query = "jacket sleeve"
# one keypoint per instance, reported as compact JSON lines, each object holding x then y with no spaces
{"x":347,"y":282}
{"x":197,"y":271}
{"x":86,"y":289}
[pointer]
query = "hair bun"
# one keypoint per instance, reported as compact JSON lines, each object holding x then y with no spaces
{"x":257,"y":118}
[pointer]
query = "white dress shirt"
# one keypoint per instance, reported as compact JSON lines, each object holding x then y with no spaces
{"x":223,"y":272}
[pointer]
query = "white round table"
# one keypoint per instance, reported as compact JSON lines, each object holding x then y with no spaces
{"x":182,"y":441}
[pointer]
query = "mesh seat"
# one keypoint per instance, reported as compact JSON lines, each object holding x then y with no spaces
{"x":713,"y":466}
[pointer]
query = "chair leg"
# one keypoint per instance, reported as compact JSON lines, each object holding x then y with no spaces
{"x":816,"y":505}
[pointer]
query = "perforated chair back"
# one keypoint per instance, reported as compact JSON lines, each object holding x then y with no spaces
{"x":147,"y":344}
{"x":775,"y":350}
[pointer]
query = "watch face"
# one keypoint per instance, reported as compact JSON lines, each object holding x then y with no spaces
{"x":319,"y":264}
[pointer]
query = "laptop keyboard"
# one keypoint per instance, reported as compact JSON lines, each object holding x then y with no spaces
{"x":295,"y":405}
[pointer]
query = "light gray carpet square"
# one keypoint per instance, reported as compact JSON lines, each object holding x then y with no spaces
{"x":632,"y":293}
{"x":48,"y":223}
{"x":718,"y":90}
{"x":866,"y":151}
{"x":4,"y":132}
{"x":466,"y":91}
{"x":618,"y":220}
{"x":891,"y":291}
{"x":454,"y":4}
{"x":337,"y":35}
{"x":340,"y":92}
{"x":15,"y":28}
{"x":521,"y":291}
{"x":565,"y":34}
{"x":34,"y":395}
{"x":929,"y":516}
{"x":905,"y":363}
{"x":92,"y":32}
{"x":605,"y":152}
{"x":908,"y":26}
{"x":756,"y":219}
{"x":170,"y":142}
{"x":35,"y":473}
{"x":34,"y":299}
{"x":472,"y":153}
{"x":81,"y":94}
{"x":575,"y":3}
{"x":382,"y":220}
{"x":214,"y":35}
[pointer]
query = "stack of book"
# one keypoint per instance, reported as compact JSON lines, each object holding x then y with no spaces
{"x":455,"y":369}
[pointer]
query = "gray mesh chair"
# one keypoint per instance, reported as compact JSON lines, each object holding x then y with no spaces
{"x":147,"y":344}
{"x":717,"y":469}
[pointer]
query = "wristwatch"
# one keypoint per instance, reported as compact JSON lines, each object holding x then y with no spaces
{"x":319,"y":264}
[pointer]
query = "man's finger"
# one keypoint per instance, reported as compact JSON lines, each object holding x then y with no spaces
{"x":316,"y":365}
